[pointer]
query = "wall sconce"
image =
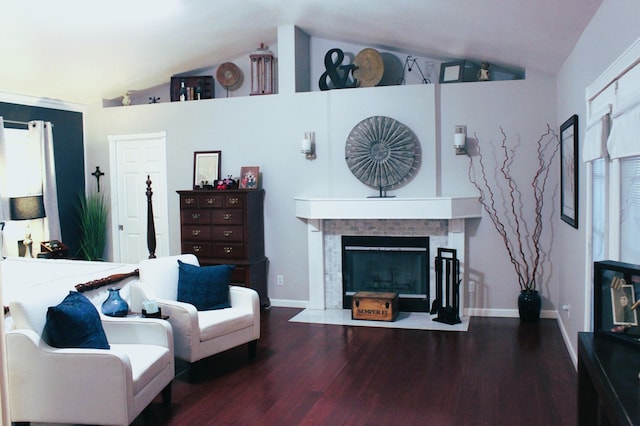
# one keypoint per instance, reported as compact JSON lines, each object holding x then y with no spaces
{"x":460,"y":139}
{"x":308,"y":145}
{"x":27,"y":208}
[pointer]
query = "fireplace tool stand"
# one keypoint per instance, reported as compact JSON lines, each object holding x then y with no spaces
{"x":447,"y":301}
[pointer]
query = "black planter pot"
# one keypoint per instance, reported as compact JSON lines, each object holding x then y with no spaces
{"x":529,"y":304}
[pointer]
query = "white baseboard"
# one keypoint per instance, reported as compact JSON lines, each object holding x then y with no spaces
{"x":506,"y":313}
{"x":568,"y":343}
{"x":286,"y":303}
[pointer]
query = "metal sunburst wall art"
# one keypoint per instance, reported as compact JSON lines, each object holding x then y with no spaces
{"x":382,"y":153}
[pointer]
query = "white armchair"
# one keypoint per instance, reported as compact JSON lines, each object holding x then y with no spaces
{"x":88,"y":386}
{"x":198,"y":334}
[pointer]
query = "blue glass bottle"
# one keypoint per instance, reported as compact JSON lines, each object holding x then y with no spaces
{"x":115,"y":305}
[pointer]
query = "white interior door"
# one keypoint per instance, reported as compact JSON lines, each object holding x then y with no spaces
{"x":133,"y":158}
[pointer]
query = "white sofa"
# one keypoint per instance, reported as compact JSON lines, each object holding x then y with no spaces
{"x":198,"y":334}
{"x":88,"y":386}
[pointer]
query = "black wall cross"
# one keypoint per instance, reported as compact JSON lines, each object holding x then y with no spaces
{"x":97,"y":175}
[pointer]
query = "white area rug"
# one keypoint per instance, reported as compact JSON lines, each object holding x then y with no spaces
{"x":408,"y":320}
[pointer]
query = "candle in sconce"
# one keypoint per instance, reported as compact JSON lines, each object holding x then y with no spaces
{"x":305,"y":145}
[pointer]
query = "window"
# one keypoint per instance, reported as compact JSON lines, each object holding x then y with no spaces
{"x":630,"y":209}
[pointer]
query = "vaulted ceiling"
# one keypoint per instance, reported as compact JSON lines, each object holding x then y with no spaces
{"x":84,"y":51}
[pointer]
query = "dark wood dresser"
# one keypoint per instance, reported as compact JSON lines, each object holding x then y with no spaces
{"x":227,"y":227}
{"x":608,"y":384}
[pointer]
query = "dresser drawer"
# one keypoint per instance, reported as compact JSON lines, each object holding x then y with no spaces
{"x":195,"y":216}
{"x":200,"y":249}
{"x":228,"y":250}
{"x":227,"y":216}
{"x":234,"y":201}
{"x":202,"y":201}
{"x":240,"y":275}
{"x":196,"y":233}
{"x":228,"y":233}
{"x":211,"y":201}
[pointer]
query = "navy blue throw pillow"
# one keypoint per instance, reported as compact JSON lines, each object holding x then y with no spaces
{"x":205,"y":287}
{"x":74,"y":323}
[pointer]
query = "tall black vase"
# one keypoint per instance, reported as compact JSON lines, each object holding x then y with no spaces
{"x":529,"y":304}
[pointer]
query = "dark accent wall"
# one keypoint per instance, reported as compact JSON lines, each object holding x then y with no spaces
{"x":68,"y":148}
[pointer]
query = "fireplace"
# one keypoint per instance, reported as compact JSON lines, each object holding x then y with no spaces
{"x":440,"y":218}
{"x":387,"y":264}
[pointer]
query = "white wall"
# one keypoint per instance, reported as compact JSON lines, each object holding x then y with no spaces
{"x":266,"y":130}
{"x":611,"y":31}
{"x":523,"y":108}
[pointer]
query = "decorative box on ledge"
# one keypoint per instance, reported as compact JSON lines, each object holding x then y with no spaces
{"x":195,"y":87}
{"x":374,"y":306}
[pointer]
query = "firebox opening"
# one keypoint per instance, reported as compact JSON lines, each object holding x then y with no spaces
{"x":387,"y":264}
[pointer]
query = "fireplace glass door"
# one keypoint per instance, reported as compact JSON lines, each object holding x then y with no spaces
{"x":387,"y":264}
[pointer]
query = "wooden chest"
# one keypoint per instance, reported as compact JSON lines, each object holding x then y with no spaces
{"x":370,"y":305}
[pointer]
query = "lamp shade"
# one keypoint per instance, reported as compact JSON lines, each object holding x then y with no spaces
{"x":25,"y":208}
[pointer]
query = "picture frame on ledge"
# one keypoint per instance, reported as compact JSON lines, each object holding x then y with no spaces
{"x":206,"y":169}
{"x":569,"y":171}
{"x":249,"y":177}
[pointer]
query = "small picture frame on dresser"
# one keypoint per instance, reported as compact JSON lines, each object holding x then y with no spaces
{"x":249,"y":177}
{"x":206,"y":169}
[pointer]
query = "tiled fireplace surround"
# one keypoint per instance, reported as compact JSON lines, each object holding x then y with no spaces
{"x":436,"y":230}
{"x":442,"y":219}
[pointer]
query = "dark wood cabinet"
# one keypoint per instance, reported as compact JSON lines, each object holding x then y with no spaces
{"x":608,"y":383}
{"x":227,"y":227}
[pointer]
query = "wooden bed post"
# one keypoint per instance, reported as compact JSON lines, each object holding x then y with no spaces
{"x":151,"y":228}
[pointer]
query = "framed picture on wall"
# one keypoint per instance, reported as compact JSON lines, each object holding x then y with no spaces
{"x":569,"y":171}
{"x":249,"y":177}
{"x":206,"y":168}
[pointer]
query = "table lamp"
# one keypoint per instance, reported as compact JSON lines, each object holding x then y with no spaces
{"x":27,"y":208}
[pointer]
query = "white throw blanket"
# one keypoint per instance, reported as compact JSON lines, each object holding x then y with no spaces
{"x":24,"y":278}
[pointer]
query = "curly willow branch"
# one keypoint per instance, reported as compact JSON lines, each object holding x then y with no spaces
{"x":525,"y":268}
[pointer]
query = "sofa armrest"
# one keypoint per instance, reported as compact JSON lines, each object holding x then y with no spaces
{"x":244,"y":297}
{"x":247,"y":299}
{"x":32,"y":364}
{"x":183,"y":318}
{"x":148,"y":331}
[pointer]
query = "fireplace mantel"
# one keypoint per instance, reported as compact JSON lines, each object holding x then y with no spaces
{"x":316,"y":210}
{"x":388,"y":208}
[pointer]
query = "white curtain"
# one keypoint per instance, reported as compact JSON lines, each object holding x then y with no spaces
{"x":595,"y":140}
{"x":41,"y":133}
{"x":4,"y":388}
{"x":625,"y":133}
{"x":4,"y":200}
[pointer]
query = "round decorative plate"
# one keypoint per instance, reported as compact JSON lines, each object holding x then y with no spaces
{"x":370,"y":67}
{"x":228,"y":74}
{"x":382,"y":152}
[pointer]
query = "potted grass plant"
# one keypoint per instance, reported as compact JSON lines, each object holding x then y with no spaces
{"x":93,"y":210}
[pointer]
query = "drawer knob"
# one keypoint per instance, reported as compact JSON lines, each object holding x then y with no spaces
{"x":197,"y":249}
{"x":195,"y":232}
{"x":195,"y":216}
{"x":226,"y":216}
{"x":189,"y":200}
{"x":228,"y":250}
{"x":233,"y":200}
{"x":227,"y":233}
{"x":211,"y":200}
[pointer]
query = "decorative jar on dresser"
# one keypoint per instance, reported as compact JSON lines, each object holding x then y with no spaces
{"x":227,"y":227}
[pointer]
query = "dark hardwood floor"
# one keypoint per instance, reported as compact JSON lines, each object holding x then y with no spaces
{"x":500,"y":372}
